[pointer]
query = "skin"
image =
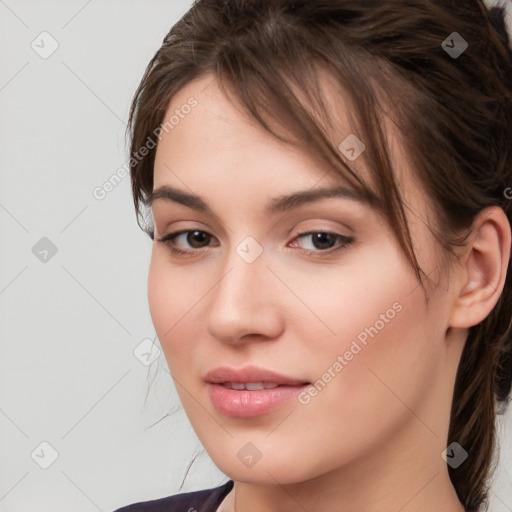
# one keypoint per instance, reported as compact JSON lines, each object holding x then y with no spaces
{"x":372,"y":439}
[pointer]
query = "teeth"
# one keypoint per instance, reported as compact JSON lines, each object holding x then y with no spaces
{"x":250,"y":386}
{"x":253,"y":386}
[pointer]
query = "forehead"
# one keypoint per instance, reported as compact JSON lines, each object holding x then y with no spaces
{"x":217,"y":140}
{"x":219,"y":128}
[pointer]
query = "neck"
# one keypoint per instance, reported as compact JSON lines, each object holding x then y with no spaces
{"x":434,"y":494}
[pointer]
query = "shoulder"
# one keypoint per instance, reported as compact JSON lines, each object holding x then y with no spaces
{"x":206,"y":500}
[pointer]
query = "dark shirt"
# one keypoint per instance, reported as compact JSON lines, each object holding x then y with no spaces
{"x":207,"y":500}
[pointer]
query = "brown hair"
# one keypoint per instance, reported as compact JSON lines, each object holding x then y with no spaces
{"x":456,"y":112}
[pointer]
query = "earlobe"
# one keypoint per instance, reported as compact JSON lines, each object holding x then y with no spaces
{"x":484,"y":269}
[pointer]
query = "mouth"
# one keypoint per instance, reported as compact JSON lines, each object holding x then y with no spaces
{"x":251,"y":391}
{"x":254,"y":386}
{"x":249,"y":376}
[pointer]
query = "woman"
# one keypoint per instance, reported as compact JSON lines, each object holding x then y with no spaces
{"x":327,"y":185}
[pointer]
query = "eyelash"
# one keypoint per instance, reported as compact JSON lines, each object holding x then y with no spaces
{"x":345,"y":242}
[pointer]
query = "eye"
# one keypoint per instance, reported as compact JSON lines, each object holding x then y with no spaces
{"x":195,"y":238}
{"x":324,"y":242}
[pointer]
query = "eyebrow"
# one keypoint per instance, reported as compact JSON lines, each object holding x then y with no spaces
{"x":280,"y":204}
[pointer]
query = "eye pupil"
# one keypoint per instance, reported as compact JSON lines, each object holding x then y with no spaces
{"x":197,"y":236}
{"x":321,"y":238}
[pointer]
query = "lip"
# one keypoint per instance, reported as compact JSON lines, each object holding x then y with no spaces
{"x":250,"y":403}
{"x":249,"y":374}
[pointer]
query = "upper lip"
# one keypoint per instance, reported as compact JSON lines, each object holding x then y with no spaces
{"x":249,"y":374}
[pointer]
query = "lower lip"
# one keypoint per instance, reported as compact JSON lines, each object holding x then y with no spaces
{"x":249,"y":404}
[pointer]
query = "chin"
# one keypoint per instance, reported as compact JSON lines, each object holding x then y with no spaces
{"x":263,"y":474}
{"x":262,"y":470}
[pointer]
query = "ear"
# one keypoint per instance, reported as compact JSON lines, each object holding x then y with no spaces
{"x":483,"y":268}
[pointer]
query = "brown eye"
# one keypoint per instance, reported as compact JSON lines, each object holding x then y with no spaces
{"x":195,"y":238}
{"x":324,"y":241}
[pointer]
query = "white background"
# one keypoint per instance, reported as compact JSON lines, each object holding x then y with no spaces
{"x":68,"y":374}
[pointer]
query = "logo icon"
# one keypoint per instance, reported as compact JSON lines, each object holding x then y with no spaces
{"x":44,"y":45}
{"x":146,"y":351}
{"x":454,"y":45}
{"x":249,"y":249}
{"x":454,"y":455}
{"x":44,"y":250}
{"x":352,"y":147}
{"x":44,"y":455}
{"x":249,"y":455}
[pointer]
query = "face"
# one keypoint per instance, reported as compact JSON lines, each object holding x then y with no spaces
{"x":318,"y":292}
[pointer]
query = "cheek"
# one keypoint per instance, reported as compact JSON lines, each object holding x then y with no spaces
{"x":379,"y":380}
{"x":381,"y":335}
{"x":160,"y":301}
{"x":357,"y":302}
{"x":171,"y":300}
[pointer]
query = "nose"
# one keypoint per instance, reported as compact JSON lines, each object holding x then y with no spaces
{"x":244,"y":303}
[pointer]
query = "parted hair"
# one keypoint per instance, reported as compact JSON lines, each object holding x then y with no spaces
{"x":390,"y":59}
